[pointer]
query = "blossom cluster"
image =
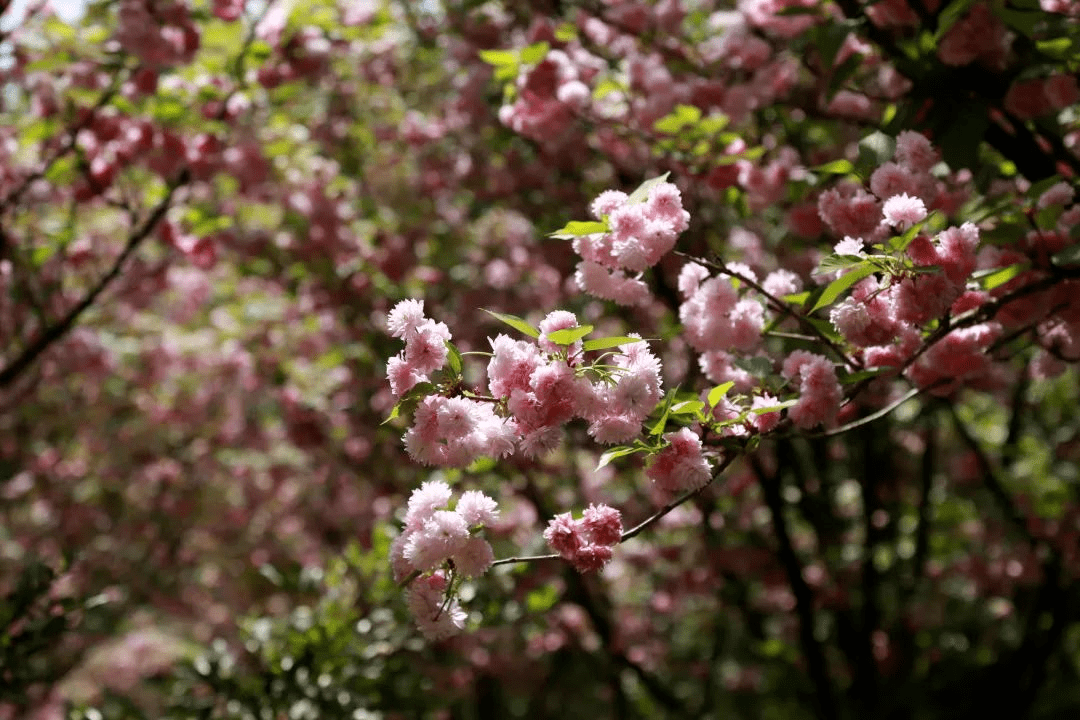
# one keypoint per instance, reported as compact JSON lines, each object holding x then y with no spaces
{"x":535,"y":388}
{"x":680,"y":466}
{"x":435,"y":539}
{"x":884,"y":316}
{"x":543,"y":390}
{"x":585,"y":542}
{"x":641,"y":232}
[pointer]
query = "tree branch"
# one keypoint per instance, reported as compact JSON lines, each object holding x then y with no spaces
{"x":51,"y":334}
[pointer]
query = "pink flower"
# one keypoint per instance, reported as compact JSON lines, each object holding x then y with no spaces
{"x":892,"y":179}
{"x":606,"y":203}
{"x":557,"y":320}
{"x":664,"y":203}
{"x":850,"y":211}
{"x":591,"y":558}
{"x":405,"y":318}
{"x":435,"y":615}
{"x":1060,"y":193}
{"x":614,"y":428}
{"x":914,"y":151}
{"x":511,"y":365}
{"x":977,"y":36}
{"x":820,"y":393}
{"x":903,"y":211}
{"x":602,"y":524}
{"x":425,"y":347}
{"x":636,"y":393}
{"x":586,"y":543}
{"x":680,"y":466}
{"x":474,"y":557}
{"x":690,"y":278}
{"x":424,"y":501}
{"x":779,"y":283}
{"x":956,"y":250}
{"x":596,"y":280}
{"x":402,"y":376}
{"x":563,"y":535}
{"x":764,"y":422}
{"x":477,"y":508}
{"x":443,"y":534}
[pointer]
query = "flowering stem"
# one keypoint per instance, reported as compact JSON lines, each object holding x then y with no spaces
{"x":780,"y":307}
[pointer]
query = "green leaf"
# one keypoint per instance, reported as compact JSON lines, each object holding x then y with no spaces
{"x":875,"y":149}
{"x":855,"y":377}
{"x":832,"y":263}
{"x":616,"y":453}
{"x":759,"y":367}
{"x":500,"y":58}
{"x":836,"y":167}
{"x":606,"y":87}
{"x":453,"y":357}
{"x":688,"y":407}
{"x":642,"y":193}
{"x":658,"y":426}
{"x":1047,"y":217}
{"x":840,"y":284}
{"x":997,"y":277}
{"x":541,"y":599}
{"x":960,"y":128}
{"x":949,"y":16}
{"x":1023,"y":22}
{"x":1068,"y":256}
{"x":409,"y":400}
{"x":515,"y":322}
{"x":775,"y":408}
{"x":1057,"y":48}
{"x":718,"y":392}
{"x":569,"y":336}
{"x":534,"y":53}
{"x":900,"y":243}
{"x":797,"y":298}
{"x":682,"y":116}
{"x":610,"y":342}
{"x":566,"y":32}
{"x":577,"y":228}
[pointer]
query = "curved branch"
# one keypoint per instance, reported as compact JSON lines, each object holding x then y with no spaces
{"x":51,"y":334}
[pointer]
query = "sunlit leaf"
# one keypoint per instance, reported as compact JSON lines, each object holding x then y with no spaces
{"x":838,"y":286}
{"x":718,"y":392}
{"x":569,"y":336}
{"x":515,"y":322}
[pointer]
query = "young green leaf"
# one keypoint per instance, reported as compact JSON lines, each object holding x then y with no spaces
{"x":515,"y":322}
{"x":831,"y":263}
{"x":569,"y":336}
{"x":642,"y":193}
{"x":499,"y":58}
{"x":534,"y":53}
{"x":605,"y":343}
{"x":577,"y":228}
{"x":453,"y":357}
{"x":616,"y":453}
{"x":658,"y":427}
{"x":719,"y":392}
{"x":995,"y":278}
{"x":774,"y":408}
{"x":837,"y":287}
{"x":875,"y":149}
{"x":688,"y":407}
{"x":836,"y":167}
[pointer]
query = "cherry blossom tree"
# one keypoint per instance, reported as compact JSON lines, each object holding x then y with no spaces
{"x":613,"y":357}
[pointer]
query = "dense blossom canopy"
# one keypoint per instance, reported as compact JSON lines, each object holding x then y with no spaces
{"x":627,"y":358}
